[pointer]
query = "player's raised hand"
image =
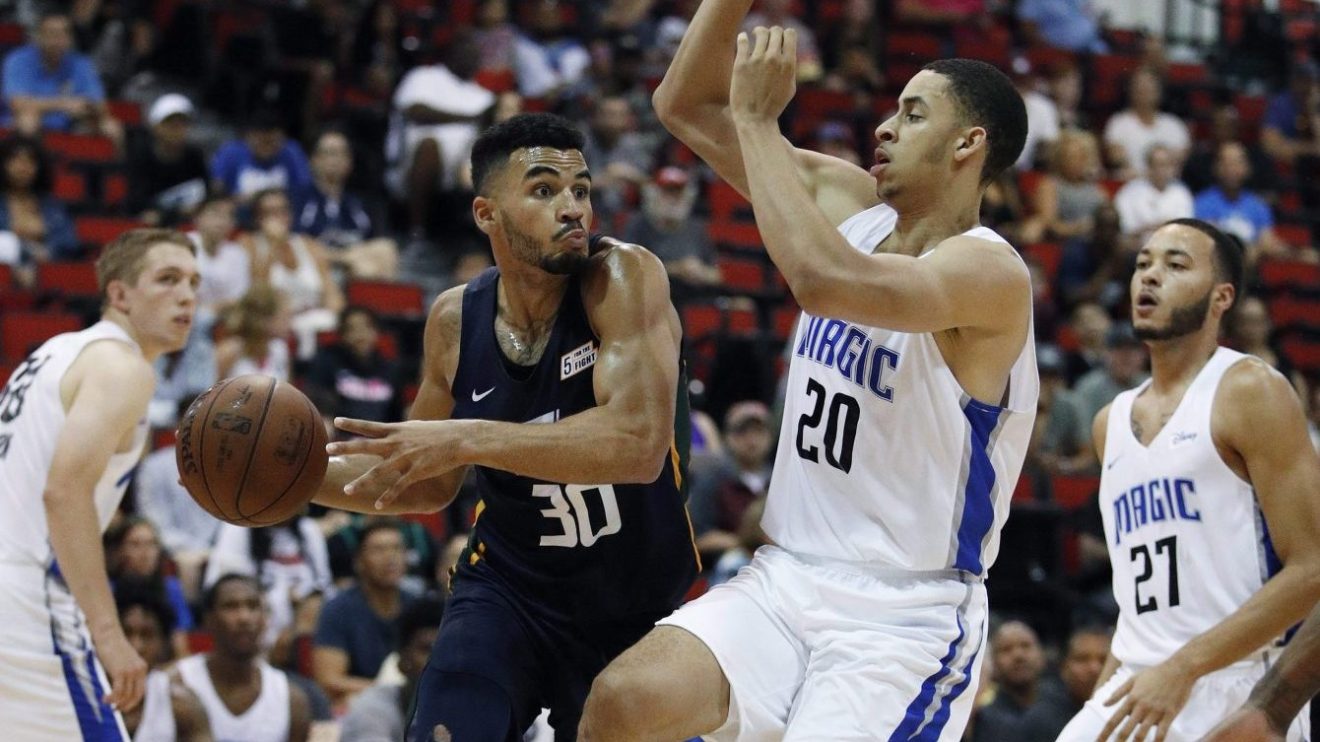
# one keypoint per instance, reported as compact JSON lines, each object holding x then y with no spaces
{"x":410,"y":452}
{"x":124,"y":667}
{"x":764,"y":74}
{"x":1150,"y":700}
{"x":1245,"y":725}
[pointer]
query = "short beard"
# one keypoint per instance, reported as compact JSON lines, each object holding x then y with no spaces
{"x":1183,"y":321}
{"x":527,"y":249}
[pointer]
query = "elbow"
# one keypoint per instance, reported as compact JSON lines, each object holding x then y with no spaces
{"x":810,"y":289}
{"x":644,"y":459}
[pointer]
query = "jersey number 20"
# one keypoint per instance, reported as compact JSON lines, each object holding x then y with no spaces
{"x":573,"y":516}
{"x":844,"y":412}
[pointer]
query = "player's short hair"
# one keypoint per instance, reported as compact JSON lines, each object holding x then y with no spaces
{"x":986,"y":98}
{"x":419,"y":615}
{"x":374,"y":525}
{"x":212,"y":594}
{"x":140,"y":592}
{"x":1230,"y":255}
{"x":123,"y":258}
{"x":493,"y":148}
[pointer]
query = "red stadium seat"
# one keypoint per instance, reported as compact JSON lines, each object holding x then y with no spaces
{"x":68,"y":279}
{"x":114,"y":189}
{"x":6,"y":277}
{"x":387,"y":297}
{"x":1049,"y":255}
{"x":97,"y":231}
{"x":986,"y":50}
{"x":1289,"y":274}
{"x":1293,"y":312}
{"x":126,"y":112}
{"x":784,"y":322}
{"x":1297,"y":235}
{"x":1304,"y":352}
{"x":740,"y":275}
{"x":21,"y":332}
{"x":70,"y":186}
{"x":912,"y":44}
{"x":725,"y":202}
{"x":81,"y":147}
{"x":736,"y":234}
{"x":701,"y":320}
{"x":1074,"y":492}
{"x":742,"y":321}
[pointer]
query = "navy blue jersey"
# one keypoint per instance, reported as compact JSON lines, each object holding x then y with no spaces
{"x":583,"y":551}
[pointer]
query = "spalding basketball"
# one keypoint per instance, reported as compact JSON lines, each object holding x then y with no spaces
{"x":251,"y":450}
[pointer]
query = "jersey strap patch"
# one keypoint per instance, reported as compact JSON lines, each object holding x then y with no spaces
{"x":577,"y":360}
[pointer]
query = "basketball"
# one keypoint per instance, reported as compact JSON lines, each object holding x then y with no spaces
{"x":251,"y":450}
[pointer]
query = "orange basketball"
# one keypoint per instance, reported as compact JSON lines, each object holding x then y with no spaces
{"x":251,"y":450}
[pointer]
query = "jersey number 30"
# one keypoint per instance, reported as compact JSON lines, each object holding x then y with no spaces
{"x":573,"y":516}
{"x":844,"y":412}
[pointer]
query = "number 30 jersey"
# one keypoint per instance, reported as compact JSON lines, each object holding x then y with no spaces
{"x":1186,"y":536}
{"x":883,"y":458}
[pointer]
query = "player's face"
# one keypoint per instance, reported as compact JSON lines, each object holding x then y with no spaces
{"x":238,"y":619}
{"x":382,"y":560}
{"x":915,"y":145}
{"x":1083,"y":664}
{"x":144,"y":634}
{"x":160,"y":304}
{"x":414,"y":654}
{"x":543,"y":208}
{"x":1174,"y":284}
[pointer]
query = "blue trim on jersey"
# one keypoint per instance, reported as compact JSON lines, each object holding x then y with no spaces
{"x":96,"y":719}
{"x":1272,"y":562}
{"x":978,"y":514}
{"x":914,"y":727}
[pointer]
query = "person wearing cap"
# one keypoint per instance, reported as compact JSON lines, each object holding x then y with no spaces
{"x":166,"y":174}
{"x":666,"y":226}
{"x":1059,"y":446}
{"x":263,"y":158}
{"x":739,"y":478}
{"x":1124,"y":368}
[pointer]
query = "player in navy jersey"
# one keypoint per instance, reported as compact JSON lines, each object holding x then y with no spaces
{"x":556,"y":374}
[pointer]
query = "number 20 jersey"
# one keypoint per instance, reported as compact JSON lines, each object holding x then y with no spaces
{"x":1185,"y":534}
{"x":883,"y":458}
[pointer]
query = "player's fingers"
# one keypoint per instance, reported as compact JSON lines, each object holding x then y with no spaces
{"x":396,"y":489}
{"x":790,"y":45}
{"x":1118,"y":717}
{"x":762,"y":36}
{"x":1129,"y":725}
{"x":367,"y":428}
{"x":1162,"y":731}
{"x":775,"y":44}
{"x":1122,"y":691}
{"x":1143,"y":729}
{"x":374,"y":446}
{"x":743,"y":48}
{"x":373,"y":481}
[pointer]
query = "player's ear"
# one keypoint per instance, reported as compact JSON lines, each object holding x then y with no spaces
{"x":969,"y":142}
{"x":483,"y":213}
{"x":116,"y":294}
{"x":1225,"y":298}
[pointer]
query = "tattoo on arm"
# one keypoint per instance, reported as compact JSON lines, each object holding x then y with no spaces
{"x":1281,"y":698}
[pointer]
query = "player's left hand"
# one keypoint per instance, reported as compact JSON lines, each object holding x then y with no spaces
{"x":410,"y":452}
{"x":764,"y":74}
{"x":1150,"y":701}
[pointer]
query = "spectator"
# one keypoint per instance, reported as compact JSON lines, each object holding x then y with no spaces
{"x":851,"y":47}
{"x":365,"y":385}
{"x":741,"y":477}
{"x":1062,"y":24}
{"x":1059,"y":442}
{"x":339,"y":219}
{"x":1225,"y":128}
{"x":263,"y":159}
{"x":1018,"y":662}
{"x":1146,"y":202}
{"x":437,"y":113}
{"x":132,"y":549}
{"x":289,"y":562}
{"x":295,"y":265}
{"x":1237,"y":211}
{"x":750,"y":538}
{"x":1291,"y":129}
{"x":1131,"y":133}
{"x":357,"y":629}
{"x":169,"y":710}
{"x":420,"y":551}
{"x":1042,"y":116}
{"x":1090,"y":324}
{"x":1249,"y":330}
{"x":119,"y":38}
{"x":617,"y":156}
{"x":34,"y":225}
{"x":312,"y":40}
{"x":1088,"y":648}
{"x":1097,"y":269}
{"x":665,"y":226}
{"x":379,"y":54}
{"x":245,"y":698}
{"x":1065,"y":201}
{"x":182,"y":375}
{"x":835,"y":139}
{"x":379,"y":713}
{"x":167,"y":174}
{"x":258,"y":327}
{"x":555,"y":53}
{"x":223,"y":263}
{"x":49,"y":86}
{"x":779,"y":13}
{"x":1124,"y":368}
{"x":1065,"y":83}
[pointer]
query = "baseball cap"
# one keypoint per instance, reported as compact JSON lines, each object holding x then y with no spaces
{"x":671,"y":177}
{"x":170,"y":104}
{"x":743,"y":413}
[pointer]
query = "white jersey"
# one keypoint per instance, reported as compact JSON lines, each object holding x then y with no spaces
{"x":1186,"y":536}
{"x":266,"y":720}
{"x":31,"y":417}
{"x":883,"y":458}
{"x":157,"y":723}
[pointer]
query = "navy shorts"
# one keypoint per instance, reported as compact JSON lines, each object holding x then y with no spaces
{"x":498,"y":661}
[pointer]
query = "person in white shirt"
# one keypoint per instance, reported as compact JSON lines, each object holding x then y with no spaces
{"x":1131,"y":133}
{"x":1145,"y":203}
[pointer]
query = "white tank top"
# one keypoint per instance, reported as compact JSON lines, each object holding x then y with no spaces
{"x":1186,"y":536}
{"x":31,"y":417}
{"x":157,"y":723}
{"x":302,"y":283}
{"x":266,"y":720}
{"x":883,"y":458}
{"x":276,"y":362}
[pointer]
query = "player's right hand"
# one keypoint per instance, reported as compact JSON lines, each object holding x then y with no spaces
{"x":1245,"y":725}
{"x":126,"y":670}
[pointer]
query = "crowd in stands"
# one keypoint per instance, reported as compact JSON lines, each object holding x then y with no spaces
{"x":316,"y":154}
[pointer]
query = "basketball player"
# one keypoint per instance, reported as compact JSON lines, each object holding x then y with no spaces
{"x":1208,"y":495}
{"x":1281,"y":694}
{"x":169,"y":711}
{"x":72,"y":426}
{"x":244,"y":697}
{"x":910,"y":399}
{"x":556,"y":374}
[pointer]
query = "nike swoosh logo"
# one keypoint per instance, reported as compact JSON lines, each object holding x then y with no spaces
{"x":478,"y":397}
{"x":1110,"y":465}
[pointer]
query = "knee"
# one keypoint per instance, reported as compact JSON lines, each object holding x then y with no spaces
{"x":616,"y":707}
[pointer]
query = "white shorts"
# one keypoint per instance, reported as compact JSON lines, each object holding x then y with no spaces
{"x":1213,"y":697}
{"x":51,"y":685}
{"x":821,"y":650}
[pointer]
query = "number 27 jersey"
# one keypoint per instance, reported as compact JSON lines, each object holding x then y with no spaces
{"x":1186,"y":535}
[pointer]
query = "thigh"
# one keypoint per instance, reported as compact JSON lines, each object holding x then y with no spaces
{"x":481,"y":682}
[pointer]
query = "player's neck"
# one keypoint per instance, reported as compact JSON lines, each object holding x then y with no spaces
{"x":922,"y":227}
{"x":231,"y":672}
{"x":150,"y":352}
{"x":1175,"y":363}
{"x":528,"y":297}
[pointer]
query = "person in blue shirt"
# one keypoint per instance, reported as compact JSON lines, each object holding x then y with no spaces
{"x":1232,"y":208}
{"x":264,"y":158}
{"x":1062,"y":24}
{"x":49,"y":86}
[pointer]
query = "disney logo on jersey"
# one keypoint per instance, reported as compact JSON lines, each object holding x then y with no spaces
{"x":577,"y":360}
{"x":1155,"y":501}
{"x":849,"y":350}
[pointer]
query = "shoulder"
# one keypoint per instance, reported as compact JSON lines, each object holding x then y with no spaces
{"x":115,"y":360}
{"x":993,"y":259}
{"x":445,"y":318}
{"x":1249,"y":389}
{"x":635,"y":272}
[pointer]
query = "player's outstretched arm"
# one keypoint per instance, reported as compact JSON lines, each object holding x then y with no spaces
{"x":966,"y":283}
{"x":434,"y":401}
{"x":106,"y":391}
{"x":692,"y":102}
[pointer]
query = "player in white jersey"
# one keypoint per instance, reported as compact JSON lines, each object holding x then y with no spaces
{"x":910,"y":400}
{"x":1208,"y":495}
{"x":72,"y":427}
